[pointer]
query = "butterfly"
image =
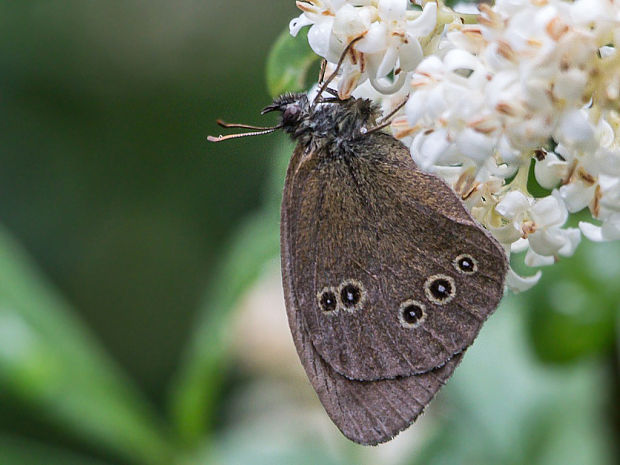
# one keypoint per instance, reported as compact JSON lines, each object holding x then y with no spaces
{"x":387,"y":277}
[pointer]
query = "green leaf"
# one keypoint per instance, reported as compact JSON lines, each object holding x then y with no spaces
{"x":19,"y":451}
{"x":50,"y":362}
{"x":197,"y":386}
{"x":289,"y":63}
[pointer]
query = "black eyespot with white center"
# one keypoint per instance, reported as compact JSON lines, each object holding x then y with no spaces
{"x":328,"y":300}
{"x":465,"y":264}
{"x":440,"y":289}
{"x":352,"y":295}
{"x":411,"y":313}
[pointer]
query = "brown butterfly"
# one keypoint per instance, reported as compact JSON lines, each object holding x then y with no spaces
{"x":387,"y":278}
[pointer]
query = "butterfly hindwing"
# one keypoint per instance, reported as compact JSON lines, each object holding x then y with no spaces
{"x":367,"y":412}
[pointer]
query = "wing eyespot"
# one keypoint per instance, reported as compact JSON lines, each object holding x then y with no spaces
{"x":465,"y":264}
{"x":328,"y":301}
{"x":411,"y":313}
{"x":352,"y":295}
{"x":440,"y":289}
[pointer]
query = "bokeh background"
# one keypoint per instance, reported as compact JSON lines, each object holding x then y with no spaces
{"x":141,"y":315}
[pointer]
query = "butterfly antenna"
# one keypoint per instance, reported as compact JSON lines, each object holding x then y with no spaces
{"x":244,"y":134}
{"x":241,"y":126}
{"x":391,"y":114}
{"x":322,"y":71}
{"x":385,"y":121}
{"x":335,"y":73}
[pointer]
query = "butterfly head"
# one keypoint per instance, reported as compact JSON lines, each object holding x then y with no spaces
{"x":328,"y":122}
{"x":294,"y":107}
{"x":331,"y":121}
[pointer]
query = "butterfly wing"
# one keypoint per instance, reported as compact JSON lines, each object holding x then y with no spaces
{"x":374,"y":231}
{"x":367,"y":412}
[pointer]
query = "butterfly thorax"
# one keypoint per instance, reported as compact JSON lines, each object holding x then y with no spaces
{"x":332,"y":127}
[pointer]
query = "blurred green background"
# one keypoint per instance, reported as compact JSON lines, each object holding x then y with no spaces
{"x":141,"y":320}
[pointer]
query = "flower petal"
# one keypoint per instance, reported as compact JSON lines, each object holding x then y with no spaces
{"x":609,"y":231}
{"x":375,"y":39}
{"x":460,"y":59}
{"x":513,"y":203}
{"x":388,"y":62}
{"x":574,"y":238}
{"x":430,"y":148}
{"x":392,"y":10}
{"x":410,"y":54}
{"x":549,"y":211}
{"x":319,"y":37}
{"x":533,"y":259}
{"x":577,"y":195}
{"x":475,"y":145}
{"x":549,"y":241}
{"x":550,"y":171}
{"x":591,"y":231}
{"x":520,"y":245}
{"x":383,"y":86}
{"x":518,"y":283}
{"x":575,"y":129}
{"x":415,"y":106}
{"x":611,"y":228}
{"x":506,"y":234}
{"x":424,"y":24}
{"x":297,"y":23}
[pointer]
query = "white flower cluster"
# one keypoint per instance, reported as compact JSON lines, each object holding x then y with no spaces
{"x":527,"y":82}
{"x":389,"y":50}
